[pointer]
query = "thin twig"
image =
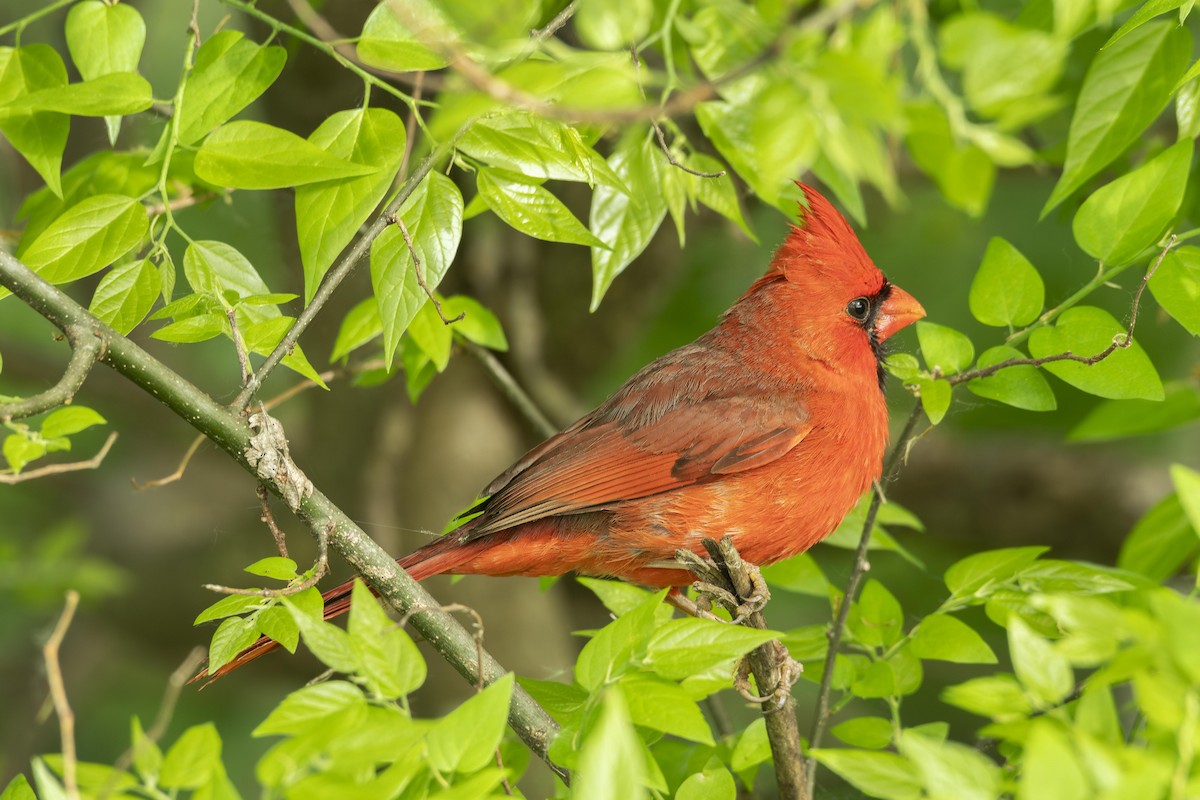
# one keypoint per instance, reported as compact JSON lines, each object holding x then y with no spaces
{"x":268,"y":519}
{"x":238,"y":345}
{"x":166,"y":710}
{"x":419,"y":271}
{"x":410,"y":126}
{"x":662,"y":142}
{"x":821,"y":715}
{"x":58,"y":691}
{"x":177,"y":474}
{"x":552,"y":27}
{"x":1119,"y":342}
{"x":58,"y":469}
{"x":186,"y":201}
{"x":319,"y":568}
{"x":512,"y":390}
{"x":86,"y":350}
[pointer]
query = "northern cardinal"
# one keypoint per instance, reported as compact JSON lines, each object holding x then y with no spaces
{"x":766,"y":428}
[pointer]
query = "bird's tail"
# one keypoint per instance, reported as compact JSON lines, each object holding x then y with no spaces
{"x":435,"y":558}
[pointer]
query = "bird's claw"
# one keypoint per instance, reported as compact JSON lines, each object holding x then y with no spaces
{"x":784,"y":666}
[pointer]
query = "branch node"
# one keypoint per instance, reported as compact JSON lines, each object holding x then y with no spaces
{"x":267,"y":454}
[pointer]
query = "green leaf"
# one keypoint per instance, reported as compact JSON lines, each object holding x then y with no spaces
{"x":532,"y":210}
{"x":685,"y":647}
{"x":18,"y":789}
{"x":1148,"y":11}
{"x":1126,"y":216}
{"x":277,"y":567}
{"x":192,"y":759}
{"x":664,"y":706}
{"x":329,"y":214}
{"x":147,"y":758}
{"x":753,"y":747}
{"x":254,"y":155}
{"x":328,"y":642}
{"x":104,"y":38}
{"x":360,"y":326}
{"x":950,"y":769}
{"x":537,"y":148}
{"x":614,"y":24}
{"x":264,"y":335}
{"x":872,"y":733}
{"x":47,"y":784}
{"x":1021,"y":386}
{"x":1050,"y":768}
{"x":620,"y":597}
{"x":307,"y":708}
{"x":433,"y":217}
{"x":876,"y":774}
{"x":87,"y":238}
{"x":610,"y":651}
{"x":978,"y":574}
{"x":432,"y":336}
{"x":215,"y":268}
{"x":277,"y":624}
{"x":39,"y":136}
{"x":1126,"y":87}
{"x":231,"y":637}
{"x":714,"y":783}
{"x":465,"y":740}
{"x":876,"y":620}
{"x":228,"y":606}
{"x":230,"y":73}
{"x":962,"y":170}
{"x":1176,"y":287}
{"x":115,"y":94}
{"x":1160,"y":542}
{"x":1117,"y":419}
{"x":389,"y":44}
{"x":800,"y":574}
{"x":391,"y":662}
{"x":19,"y":451}
{"x":998,"y":696}
{"x":935,"y":398}
{"x":1007,"y":289}
{"x":69,"y":420}
{"x":610,"y":759}
{"x":193,"y":329}
{"x":126,"y":294}
{"x":945,"y":638}
{"x":944,"y":348}
{"x":1042,"y":670}
{"x":626,"y":221}
{"x":479,"y":325}
{"x":1187,"y":486}
{"x":1087,"y":331}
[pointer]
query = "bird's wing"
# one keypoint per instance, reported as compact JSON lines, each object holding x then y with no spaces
{"x":620,"y":454}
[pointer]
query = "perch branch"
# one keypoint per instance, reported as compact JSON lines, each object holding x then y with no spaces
{"x":85,"y":352}
{"x":229,"y":431}
{"x":512,"y":390}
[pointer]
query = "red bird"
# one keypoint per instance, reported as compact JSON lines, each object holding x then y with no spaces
{"x":767,"y":428}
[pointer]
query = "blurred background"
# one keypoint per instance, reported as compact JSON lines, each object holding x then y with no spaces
{"x":990,"y":476}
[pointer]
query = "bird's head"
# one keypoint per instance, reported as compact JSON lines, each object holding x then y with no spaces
{"x":834,"y":283}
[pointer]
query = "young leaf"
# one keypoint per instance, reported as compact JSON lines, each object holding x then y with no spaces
{"x":614,"y":25}
{"x":433,"y":217}
{"x":360,"y":326}
{"x":329,"y":214}
{"x":390,"y":660}
{"x":800,"y":574}
{"x":532,"y":210}
{"x":389,"y":44}
{"x":876,"y":774}
{"x":1125,"y":88}
{"x":537,"y":148}
{"x":945,"y":638}
{"x":610,"y":760}
{"x":689,"y":646}
{"x":305,"y":709}
{"x":115,"y":94}
{"x":1176,"y":287}
{"x":1007,"y":289}
{"x":228,"y":606}
{"x":1117,"y":419}
{"x":1160,"y":542}
{"x":663,"y":706}
{"x":1043,"y":671}
{"x":1050,"y":768}
{"x":87,"y":238}
{"x":876,"y":620}
{"x":871,"y":733}
{"x":328,"y":642}
{"x":944,"y":348}
{"x":277,"y":624}
{"x":1086,"y":331}
{"x":479,"y":325}
{"x":626,"y":221}
{"x":1019,"y":386}
{"x":193,"y":757}
{"x":69,"y":420}
{"x":147,"y":757}
{"x":126,"y":293}
{"x":277,"y":567}
{"x":465,"y":740}
{"x":255,"y":155}
{"x":935,"y":398}
{"x":231,"y":637}
{"x":1187,"y":486}
{"x":610,"y":650}
{"x":193,"y":329}
{"x":39,"y":136}
{"x":230,"y":73}
{"x":1126,"y":216}
{"x":103,"y":39}
{"x":998,"y":696}
{"x":977,"y":574}
{"x":950,"y":769}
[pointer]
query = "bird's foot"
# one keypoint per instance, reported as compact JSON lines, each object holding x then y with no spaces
{"x":785,"y":669}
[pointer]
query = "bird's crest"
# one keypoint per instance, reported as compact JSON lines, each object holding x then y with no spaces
{"x":823,"y":241}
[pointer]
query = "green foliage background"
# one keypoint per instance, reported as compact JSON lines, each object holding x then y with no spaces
{"x":1029,"y":626}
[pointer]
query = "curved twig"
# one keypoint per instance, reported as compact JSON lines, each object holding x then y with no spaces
{"x":58,"y":692}
{"x":86,"y":350}
{"x":58,"y":469}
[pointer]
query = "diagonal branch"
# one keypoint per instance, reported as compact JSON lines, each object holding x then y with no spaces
{"x":229,"y":431}
{"x":86,"y":350}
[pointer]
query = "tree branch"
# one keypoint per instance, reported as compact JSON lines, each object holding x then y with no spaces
{"x":512,"y":390}
{"x":86,"y":350}
{"x":58,"y":691}
{"x":58,"y":469}
{"x":231,"y":433}
{"x":821,"y":716}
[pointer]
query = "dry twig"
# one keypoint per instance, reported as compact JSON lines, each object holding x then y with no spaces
{"x":58,"y":692}
{"x":58,"y":469}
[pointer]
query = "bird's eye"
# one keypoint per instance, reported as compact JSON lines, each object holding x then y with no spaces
{"x":859,"y":308}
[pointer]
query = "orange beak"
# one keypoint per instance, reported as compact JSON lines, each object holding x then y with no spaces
{"x":899,"y":311}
